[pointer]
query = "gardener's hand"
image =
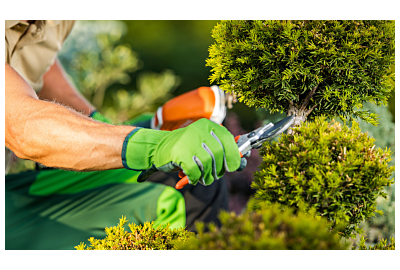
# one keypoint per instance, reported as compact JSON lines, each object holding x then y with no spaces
{"x":203,"y":150}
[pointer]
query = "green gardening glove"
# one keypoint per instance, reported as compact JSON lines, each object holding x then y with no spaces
{"x":203,"y":150}
{"x":142,"y":120}
{"x":99,"y":117}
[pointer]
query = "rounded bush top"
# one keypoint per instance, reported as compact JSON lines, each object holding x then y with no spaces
{"x":271,"y":63}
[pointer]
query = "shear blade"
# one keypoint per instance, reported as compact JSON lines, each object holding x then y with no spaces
{"x":274,"y":131}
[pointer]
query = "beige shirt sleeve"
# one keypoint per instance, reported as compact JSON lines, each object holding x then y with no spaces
{"x":32,"y":48}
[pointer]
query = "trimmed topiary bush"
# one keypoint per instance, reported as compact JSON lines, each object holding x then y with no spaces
{"x":310,"y":67}
{"x":265,"y":229}
{"x":330,"y":167}
{"x":141,"y":237}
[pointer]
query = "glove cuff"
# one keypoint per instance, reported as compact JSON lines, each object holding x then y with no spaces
{"x":139,"y":148}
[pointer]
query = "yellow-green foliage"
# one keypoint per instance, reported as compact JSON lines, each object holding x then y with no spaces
{"x":141,"y":237}
{"x":382,"y":245}
{"x":331,"y":167}
{"x":269,"y":228}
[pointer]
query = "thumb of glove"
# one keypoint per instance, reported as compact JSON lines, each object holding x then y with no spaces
{"x":144,"y":175}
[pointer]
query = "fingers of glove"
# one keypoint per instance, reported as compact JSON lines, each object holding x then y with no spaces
{"x":232,"y":155}
{"x":216,"y":150}
{"x":213,"y":162}
{"x":201,"y":168}
{"x":205,"y":160}
{"x":194,"y":170}
{"x":209,"y":157}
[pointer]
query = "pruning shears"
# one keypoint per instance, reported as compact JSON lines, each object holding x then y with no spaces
{"x":251,"y":140}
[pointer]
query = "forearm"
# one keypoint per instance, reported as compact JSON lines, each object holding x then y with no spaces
{"x":55,"y":135}
{"x":57,"y":87}
{"x":58,"y":137}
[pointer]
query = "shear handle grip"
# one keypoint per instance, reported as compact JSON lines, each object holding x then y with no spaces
{"x":185,"y":180}
{"x":181,"y":183}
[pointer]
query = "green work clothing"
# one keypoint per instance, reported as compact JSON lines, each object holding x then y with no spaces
{"x":56,"y":209}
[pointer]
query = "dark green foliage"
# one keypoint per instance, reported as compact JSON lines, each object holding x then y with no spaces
{"x":265,"y":229}
{"x":382,"y":245}
{"x":141,"y":237}
{"x":331,"y":167}
{"x":271,"y":64}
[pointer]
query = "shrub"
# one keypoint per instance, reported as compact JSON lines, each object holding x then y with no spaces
{"x":311,"y":67}
{"x":101,"y":68}
{"x":141,"y":237}
{"x":93,"y":58}
{"x":382,"y":245}
{"x":267,"y":228}
{"x":330,"y":167}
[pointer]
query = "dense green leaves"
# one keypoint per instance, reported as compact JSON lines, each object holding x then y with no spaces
{"x":331,"y":167}
{"x":270,"y":63}
{"x":267,"y":228}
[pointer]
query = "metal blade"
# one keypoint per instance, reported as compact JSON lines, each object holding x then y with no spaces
{"x":246,"y":140}
{"x":274,"y":131}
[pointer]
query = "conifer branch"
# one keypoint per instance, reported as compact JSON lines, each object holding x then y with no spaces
{"x":310,"y":110}
{"x":309,"y":96}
